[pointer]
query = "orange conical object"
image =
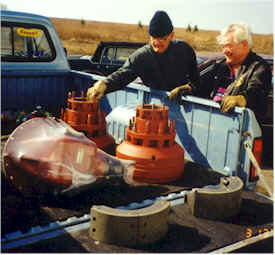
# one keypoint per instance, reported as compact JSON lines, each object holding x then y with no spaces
{"x":85,"y":116}
{"x":150,"y":141}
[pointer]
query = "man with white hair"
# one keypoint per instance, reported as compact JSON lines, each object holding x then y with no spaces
{"x":241,"y":79}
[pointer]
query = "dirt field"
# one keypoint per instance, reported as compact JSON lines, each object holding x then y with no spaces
{"x":82,"y":37}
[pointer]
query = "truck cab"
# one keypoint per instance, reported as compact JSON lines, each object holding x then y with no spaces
{"x":30,"y":43}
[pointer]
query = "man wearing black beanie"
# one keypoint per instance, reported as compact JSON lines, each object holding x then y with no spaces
{"x":164,"y":64}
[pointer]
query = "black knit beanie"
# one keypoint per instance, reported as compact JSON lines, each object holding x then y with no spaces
{"x":160,"y":24}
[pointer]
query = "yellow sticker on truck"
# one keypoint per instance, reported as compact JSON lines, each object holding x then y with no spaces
{"x":28,"y":32}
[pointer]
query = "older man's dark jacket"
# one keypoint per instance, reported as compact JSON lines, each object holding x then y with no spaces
{"x":253,"y":81}
{"x":176,"y":66}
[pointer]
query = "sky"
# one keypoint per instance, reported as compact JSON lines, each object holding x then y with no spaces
{"x":206,"y":14}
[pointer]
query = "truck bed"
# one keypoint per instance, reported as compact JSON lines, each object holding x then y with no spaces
{"x":186,"y":233}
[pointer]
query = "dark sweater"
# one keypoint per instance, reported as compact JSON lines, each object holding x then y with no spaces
{"x":176,"y":66}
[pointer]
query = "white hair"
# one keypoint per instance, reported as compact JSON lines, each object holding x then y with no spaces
{"x":241,"y":32}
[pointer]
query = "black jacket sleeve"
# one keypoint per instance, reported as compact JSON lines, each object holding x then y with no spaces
{"x":194,"y":72}
{"x":258,"y":87}
{"x":123,"y":76}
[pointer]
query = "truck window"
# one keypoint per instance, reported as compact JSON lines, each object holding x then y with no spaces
{"x":123,"y":53}
{"x":21,"y":42}
{"x":107,"y":55}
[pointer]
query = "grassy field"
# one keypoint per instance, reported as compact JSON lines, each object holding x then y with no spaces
{"x":82,"y":36}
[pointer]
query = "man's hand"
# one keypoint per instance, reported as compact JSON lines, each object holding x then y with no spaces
{"x":97,"y":91}
{"x":229,"y":102}
{"x":176,"y":93}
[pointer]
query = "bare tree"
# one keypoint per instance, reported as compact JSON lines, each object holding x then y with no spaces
{"x":3,"y":7}
{"x":83,"y":22}
{"x":195,"y":28}
{"x":140,"y":24}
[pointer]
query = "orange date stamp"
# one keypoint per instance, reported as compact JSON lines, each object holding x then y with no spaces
{"x":252,"y":232}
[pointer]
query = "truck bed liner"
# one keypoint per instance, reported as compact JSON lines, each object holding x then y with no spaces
{"x":186,"y":233}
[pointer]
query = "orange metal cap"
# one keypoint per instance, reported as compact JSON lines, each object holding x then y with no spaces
{"x":150,"y":141}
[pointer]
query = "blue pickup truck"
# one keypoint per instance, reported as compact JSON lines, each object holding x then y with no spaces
{"x":35,"y":71}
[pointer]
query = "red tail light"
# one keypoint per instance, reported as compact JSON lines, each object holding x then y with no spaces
{"x":257,"y":151}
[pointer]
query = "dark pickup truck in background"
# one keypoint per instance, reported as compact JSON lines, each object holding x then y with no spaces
{"x":108,"y":57}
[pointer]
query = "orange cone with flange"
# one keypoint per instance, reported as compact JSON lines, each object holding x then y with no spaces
{"x":150,"y":141}
{"x":85,"y":116}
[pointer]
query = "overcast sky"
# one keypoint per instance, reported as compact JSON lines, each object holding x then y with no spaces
{"x":206,"y":14}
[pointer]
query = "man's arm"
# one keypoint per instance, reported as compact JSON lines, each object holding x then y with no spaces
{"x":194,"y":74}
{"x":194,"y":79}
{"x":258,"y":88}
{"x":116,"y":81}
{"x":122,"y":77}
{"x":255,"y":94}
